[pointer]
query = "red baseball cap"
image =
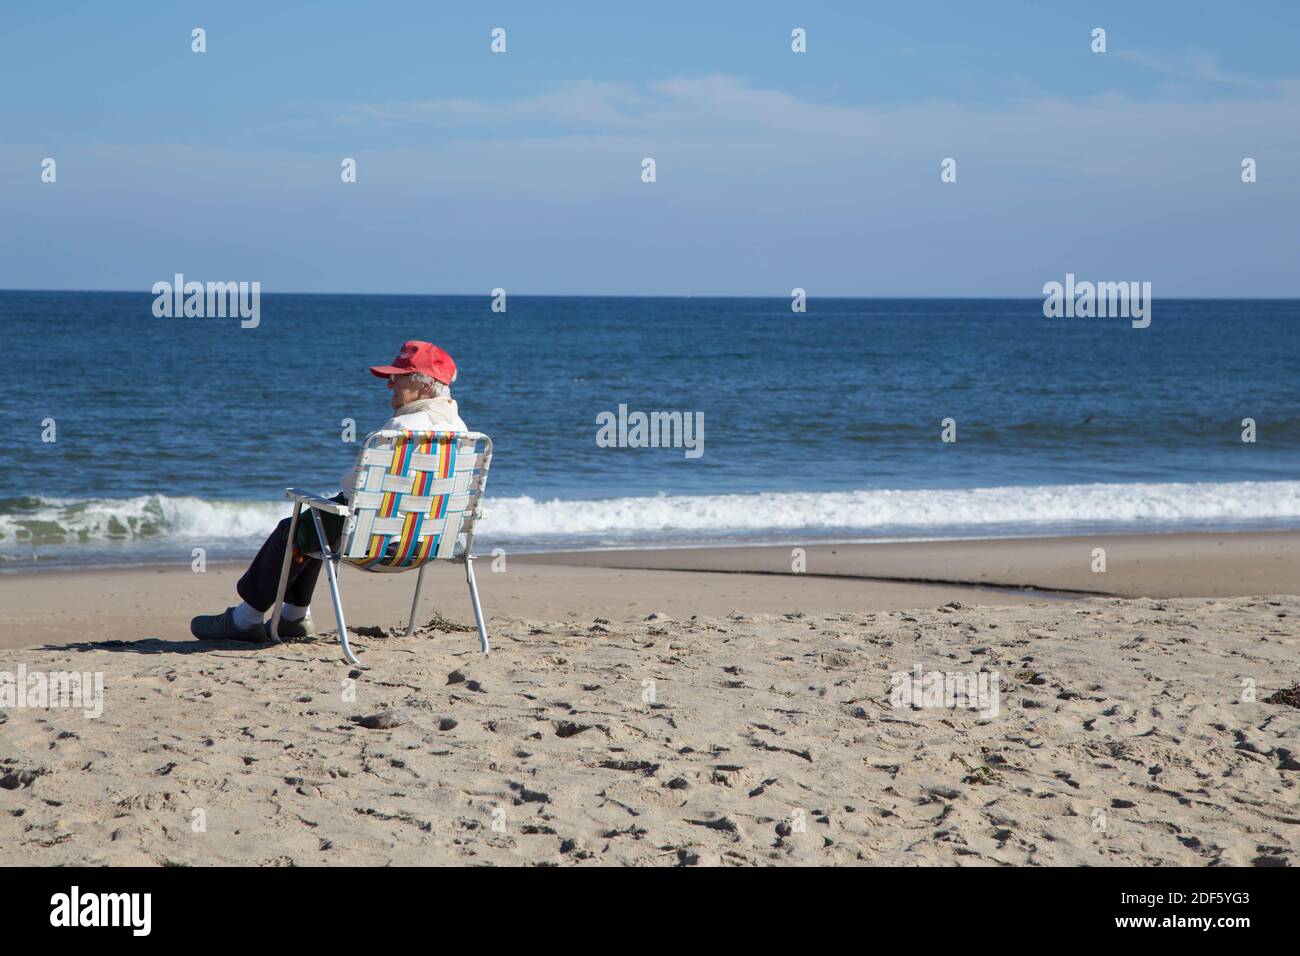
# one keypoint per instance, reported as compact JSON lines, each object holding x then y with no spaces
{"x":423,"y":357}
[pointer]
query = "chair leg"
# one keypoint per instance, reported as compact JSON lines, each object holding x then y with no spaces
{"x":284,"y":573}
{"x":333,"y":575}
{"x":473,"y":596}
{"x":331,"y":571}
{"x":415,"y":605}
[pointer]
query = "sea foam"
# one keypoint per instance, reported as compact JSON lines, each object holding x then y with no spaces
{"x":28,"y":522}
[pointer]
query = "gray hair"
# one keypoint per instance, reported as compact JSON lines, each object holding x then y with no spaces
{"x":428,"y":384}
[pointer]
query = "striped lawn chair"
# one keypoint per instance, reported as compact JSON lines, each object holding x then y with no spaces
{"x":416,"y":496}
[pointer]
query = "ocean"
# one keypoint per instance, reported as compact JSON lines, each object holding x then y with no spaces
{"x":177,"y":433}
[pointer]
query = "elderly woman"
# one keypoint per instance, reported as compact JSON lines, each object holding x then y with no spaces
{"x":420,"y":379}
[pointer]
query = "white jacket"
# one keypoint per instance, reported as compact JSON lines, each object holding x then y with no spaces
{"x":425,"y":414}
{"x":437,"y":414}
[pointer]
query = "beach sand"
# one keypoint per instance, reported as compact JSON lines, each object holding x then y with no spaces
{"x":669,"y":717}
{"x":1136,"y":565}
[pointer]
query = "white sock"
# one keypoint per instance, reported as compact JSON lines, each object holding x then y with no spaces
{"x":247,"y":617}
{"x":292,"y":612}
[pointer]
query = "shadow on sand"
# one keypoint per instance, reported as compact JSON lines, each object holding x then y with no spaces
{"x":156,"y":645}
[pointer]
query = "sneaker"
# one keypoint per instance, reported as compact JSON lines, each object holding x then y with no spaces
{"x":221,"y":627}
{"x":299,"y":629}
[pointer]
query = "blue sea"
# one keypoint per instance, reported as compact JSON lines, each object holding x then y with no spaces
{"x":176,"y":433}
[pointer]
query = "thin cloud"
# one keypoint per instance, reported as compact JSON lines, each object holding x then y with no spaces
{"x":722,"y":124}
{"x":567,"y":106}
{"x":1198,"y":66}
{"x":752,"y":183}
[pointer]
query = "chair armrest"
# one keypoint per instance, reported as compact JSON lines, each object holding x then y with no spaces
{"x":317,"y":502}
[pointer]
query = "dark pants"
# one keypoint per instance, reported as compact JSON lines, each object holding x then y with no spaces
{"x":260,"y":581}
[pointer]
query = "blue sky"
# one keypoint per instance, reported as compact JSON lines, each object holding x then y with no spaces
{"x":775,"y":169}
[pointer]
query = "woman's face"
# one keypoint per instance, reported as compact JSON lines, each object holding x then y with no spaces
{"x":403,"y":389}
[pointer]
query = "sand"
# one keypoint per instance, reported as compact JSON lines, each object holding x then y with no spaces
{"x":127,"y":604}
{"x":604,"y":730}
{"x":1136,"y":565}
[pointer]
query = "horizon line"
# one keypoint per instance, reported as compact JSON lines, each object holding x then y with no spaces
{"x":660,"y":295}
